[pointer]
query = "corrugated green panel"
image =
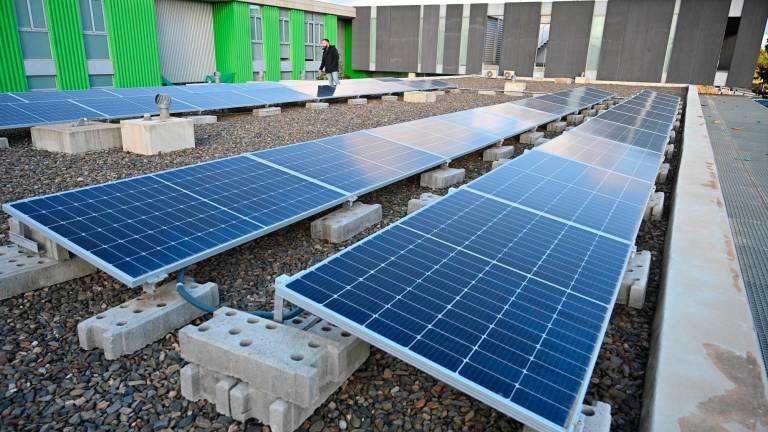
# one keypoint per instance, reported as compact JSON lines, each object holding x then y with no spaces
{"x":348,"y":71}
{"x":331,"y":29}
{"x":270,"y":19}
{"x":232,"y":37}
{"x":67,"y":46}
{"x":12,"y":74}
{"x":133,"y":46}
{"x":298,"y":54}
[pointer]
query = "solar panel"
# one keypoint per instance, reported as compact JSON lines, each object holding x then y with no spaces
{"x":117,"y":107}
{"x":6,"y":98}
{"x":543,"y":105}
{"x":436,"y":136}
{"x":520,"y":113}
{"x":592,"y":197}
{"x":218,"y":100}
{"x":147,"y":226}
{"x":573,"y":103}
{"x":636,"y":122}
{"x":10,"y":116}
{"x":505,"y":304}
{"x":625,"y":134}
{"x":656,"y":101}
{"x":58,"y":110}
{"x":637,"y":103}
{"x":147,"y":103}
{"x":602,"y":153}
{"x":40,"y":96}
{"x":644,"y":113}
{"x":491,"y":123}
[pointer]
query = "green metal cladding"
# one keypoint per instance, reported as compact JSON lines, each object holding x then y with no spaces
{"x":348,"y":71}
{"x":270,"y":19}
{"x":66,"y":34}
{"x":298,"y":54}
{"x":12,"y":74}
{"x":232,"y":39}
{"x":133,"y":45}
{"x":331,"y":29}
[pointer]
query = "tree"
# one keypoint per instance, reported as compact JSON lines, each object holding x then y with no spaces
{"x":761,"y":71}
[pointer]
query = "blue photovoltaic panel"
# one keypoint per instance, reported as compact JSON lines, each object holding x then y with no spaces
{"x":356,"y":162}
{"x":58,"y":110}
{"x":252,"y":189}
{"x":625,"y":134}
{"x":644,"y":113}
{"x":41,"y":96}
{"x":447,"y":139}
{"x":656,"y":101}
{"x":574,"y":103}
{"x":542,"y":105}
{"x":139,"y":91}
{"x":218,"y":100}
{"x":505,"y":304}
{"x":591,"y":91}
{"x":660,"y":96}
{"x":520,"y":113}
{"x":497,"y":125}
{"x":636,"y":122}
{"x":10,"y":116}
{"x":611,"y":155}
{"x":116,"y":107}
{"x":147,"y":102}
{"x":9,"y":98}
{"x":591,"y":197}
{"x":637,"y":103}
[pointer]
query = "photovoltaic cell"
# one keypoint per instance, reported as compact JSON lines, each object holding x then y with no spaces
{"x":636,"y":122}
{"x":647,"y":106}
{"x":625,"y":134}
{"x":10,"y":116}
{"x":520,"y":113}
{"x":595,"y":198}
{"x":479,"y":119}
{"x":644,"y":113}
{"x":543,"y":105}
{"x":115,"y":107}
{"x":58,"y":110}
{"x":436,"y":136}
{"x":493,"y":303}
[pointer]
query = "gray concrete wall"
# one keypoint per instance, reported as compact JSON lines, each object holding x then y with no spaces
{"x":452,"y":40}
{"x":635,"y":40}
{"x":429,"y":38}
{"x":748,"y":41}
{"x":569,"y":38}
{"x":521,"y":35}
{"x":361,"y":39}
{"x":397,"y":38}
{"x":478,"y":19}
{"x":699,"y":36}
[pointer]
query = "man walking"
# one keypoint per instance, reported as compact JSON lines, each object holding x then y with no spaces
{"x":330,"y":63}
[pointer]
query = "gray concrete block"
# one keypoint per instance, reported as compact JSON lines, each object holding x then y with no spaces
{"x":596,"y":417}
{"x":599,"y":107}
{"x":669,"y":151}
{"x":635,"y":281}
{"x":514,"y":88}
{"x":498,"y":152}
{"x":454,"y":91}
{"x":499,"y":162}
{"x":4,"y":143}
{"x":389,"y":98}
{"x":556,"y":126}
{"x":138,"y":322}
{"x":672,"y":137}
{"x":357,"y":101}
{"x":655,"y":207}
{"x":68,"y":138}
{"x":588,"y":112}
{"x":317,"y":105}
{"x":609,"y":103}
{"x":540,"y":141}
{"x":676,"y":125}
{"x":419,"y":97}
{"x":424,"y":200}
{"x":346,"y":222}
{"x":530,"y":137}
{"x":663,"y":173}
{"x":268,"y":111}
{"x":291,"y":364}
{"x":441,"y":178}
{"x":439,"y":92}
{"x":203,"y":119}
{"x":574,"y":119}
{"x":487,"y":92}
{"x":22,"y":271}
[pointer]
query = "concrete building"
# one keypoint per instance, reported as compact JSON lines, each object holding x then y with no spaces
{"x":676,"y":41}
{"x":80,"y":44}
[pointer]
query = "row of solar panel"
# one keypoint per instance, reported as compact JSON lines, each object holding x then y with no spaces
{"x":139,"y":228}
{"x":33,"y":108}
{"x":504,"y":288}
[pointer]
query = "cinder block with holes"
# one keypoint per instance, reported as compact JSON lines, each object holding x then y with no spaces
{"x":669,"y":151}
{"x":293,"y":365}
{"x":346,"y":222}
{"x":443,"y":177}
{"x":556,"y":126}
{"x":635,"y":281}
{"x":593,"y":418}
{"x":389,"y":98}
{"x":357,"y":101}
{"x":424,"y":200}
{"x":661,"y":178}
{"x":655,"y":207}
{"x":267,"y":112}
{"x":531,"y":137}
{"x":138,"y":322}
{"x":498,"y":163}
{"x":574,"y":119}
{"x":498,"y":152}
{"x":419,"y":97}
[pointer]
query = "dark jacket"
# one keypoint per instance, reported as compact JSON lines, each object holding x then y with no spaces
{"x":330,"y":59}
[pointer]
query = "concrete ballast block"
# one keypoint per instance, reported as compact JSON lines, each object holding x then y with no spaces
{"x":663,"y":173}
{"x":439,"y":92}
{"x":531,"y":137}
{"x":599,"y":107}
{"x":655,"y":207}
{"x":593,"y":418}
{"x":4,"y":143}
{"x":498,"y":152}
{"x":588,"y":112}
{"x":487,"y":92}
{"x":203,"y":119}
{"x":563,"y":80}
{"x":317,"y":105}
{"x":635,"y":281}
{"x":574,"y":119}
{"x":499,"y":162}
{"x":454,"y":91}
{"x":669,"y":151}
{"x":422,"y":201}
{"x":69,"y":138}
{"x":389,"y":98}
{"x":137,"y":323}
{"x":419,"y":97}
{"x":151,"y":137}
{"x":357,"y":101}
{"x":556,"y":126}
{"x":513,"y":88}
{"x":267,"y":112}
{"x":346,"y":222}
{"x":441,"y":178}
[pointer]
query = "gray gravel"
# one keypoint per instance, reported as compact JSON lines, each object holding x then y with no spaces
{"x":48,"y":383}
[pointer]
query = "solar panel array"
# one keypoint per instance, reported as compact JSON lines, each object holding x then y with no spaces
{"x":145,"y":227}
{"x":504,"y":288}
{"x":33,"y":108}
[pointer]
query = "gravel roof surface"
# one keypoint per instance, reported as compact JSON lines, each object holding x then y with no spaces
{"x":48,"y":383}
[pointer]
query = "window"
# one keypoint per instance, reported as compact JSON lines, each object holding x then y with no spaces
{"x":33,"y":29}
{"x":313,"y":34}
{"x":94,"y":29}
{"x":285,"y":39}
{"x":493,"y":36}
{"x":256,"y":37}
